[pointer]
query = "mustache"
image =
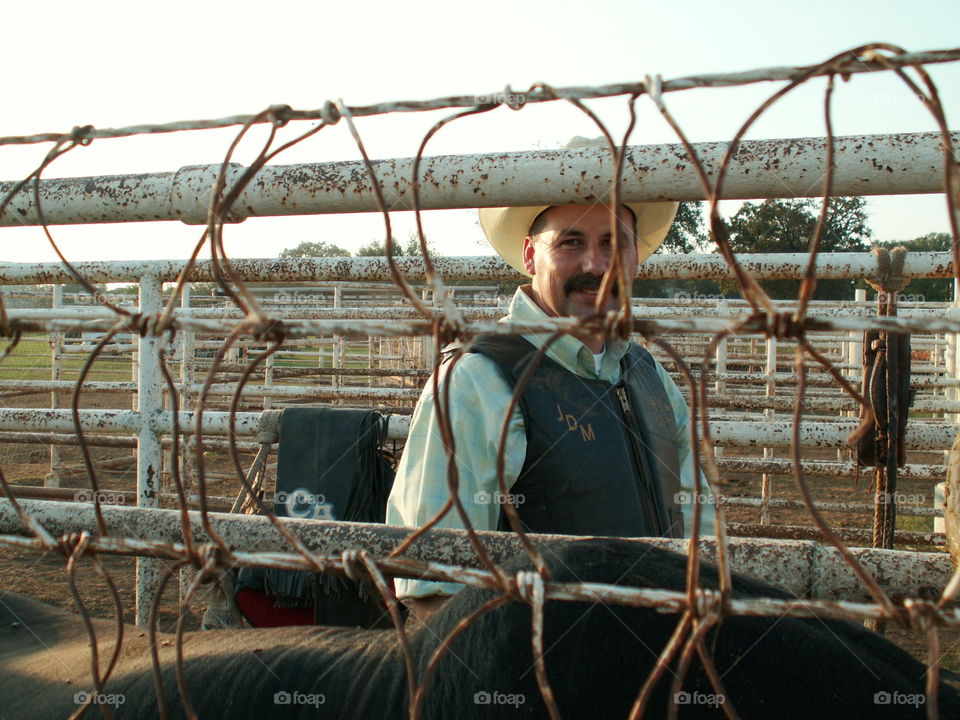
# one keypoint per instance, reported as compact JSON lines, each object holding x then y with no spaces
{"x":587,"y":282}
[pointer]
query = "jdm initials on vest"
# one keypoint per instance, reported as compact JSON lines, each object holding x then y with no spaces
{"x":601,"y":458}
{"x":573,"y":424}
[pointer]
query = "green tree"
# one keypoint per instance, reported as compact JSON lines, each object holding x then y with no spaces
{"x":314,"y":249}
{"x":688,"y":233}
{"x":378,"y":248}
{"x":787,"y":225}
{"x":411,"y":248}
{"x":930,"y":289}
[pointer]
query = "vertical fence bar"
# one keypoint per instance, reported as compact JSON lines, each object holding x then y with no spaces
{"x":766,"y":487}
{"x":186,"y":459}
{"x":720,"y":386}
{"x":56,"y":351}
{"x":149,"y":448}
{"x":337,"y":346}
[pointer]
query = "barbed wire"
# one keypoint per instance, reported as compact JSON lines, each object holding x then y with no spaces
{"x":700,"y":608}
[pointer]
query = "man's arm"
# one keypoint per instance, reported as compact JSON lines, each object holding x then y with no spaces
{"x":479,"y":398}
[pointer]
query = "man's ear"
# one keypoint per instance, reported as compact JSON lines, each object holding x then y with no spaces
{"x":528,"y":252}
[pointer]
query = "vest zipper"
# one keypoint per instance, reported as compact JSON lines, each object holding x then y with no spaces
{"x":646,"y":491}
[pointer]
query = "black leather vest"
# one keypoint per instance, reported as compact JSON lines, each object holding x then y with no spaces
{"x":601,"y":459}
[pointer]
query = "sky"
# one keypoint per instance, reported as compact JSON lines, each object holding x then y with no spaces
{"x":112,"y":64}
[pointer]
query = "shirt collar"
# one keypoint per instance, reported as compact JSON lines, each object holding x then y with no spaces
{"x":567,"y":350}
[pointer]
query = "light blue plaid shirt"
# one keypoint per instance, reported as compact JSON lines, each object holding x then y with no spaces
{"x":479,"y":398}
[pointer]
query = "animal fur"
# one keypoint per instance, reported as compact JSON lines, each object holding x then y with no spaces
{"x":597,"y":658}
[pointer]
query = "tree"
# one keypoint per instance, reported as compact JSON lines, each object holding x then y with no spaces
{"x":378,"y":248}
{"x":688,"y":233}
{"x":783,"y":226}
{"x":314,"y":249}
{"x":927,"y":289}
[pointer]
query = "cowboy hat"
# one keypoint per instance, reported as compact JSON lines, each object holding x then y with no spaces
{"x":506,"y":227}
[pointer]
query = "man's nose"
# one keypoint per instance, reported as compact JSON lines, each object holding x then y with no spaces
{"x":595,"y":260}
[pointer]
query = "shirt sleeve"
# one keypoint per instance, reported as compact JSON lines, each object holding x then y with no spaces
{"x":479,"y":399}
{"x":681,"y":414}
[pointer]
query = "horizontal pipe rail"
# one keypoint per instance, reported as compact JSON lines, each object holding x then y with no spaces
{"x":904,"y":163}
{"x":678,"y":310}
{"x":763,"y":266}
{"x":913,"y":511}
{"x":819,"y":468}
{"x":857,"y":535}
{"x":920,"y":436}
{"x":801,"y":567}
{"x":760,"y":325}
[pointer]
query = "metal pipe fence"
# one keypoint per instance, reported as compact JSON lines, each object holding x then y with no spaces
{"x":755,"y":342}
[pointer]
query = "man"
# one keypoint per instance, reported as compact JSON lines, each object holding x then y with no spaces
{"x":599,"y":443}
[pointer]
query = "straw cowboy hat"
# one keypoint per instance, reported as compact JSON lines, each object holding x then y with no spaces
{"x":506,"y":227}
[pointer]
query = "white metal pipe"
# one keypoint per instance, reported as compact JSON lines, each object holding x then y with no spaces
{"x":640,"y":308}
{"x":769,"y":266}
{"x":757,"y":433}
{"x":905,"y":163}
{"x":149,"y":447}
{"x":56,"y":354}
{"x":802,"y":567}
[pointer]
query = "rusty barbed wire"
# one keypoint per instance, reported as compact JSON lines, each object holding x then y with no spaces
{"x":699,"y":609}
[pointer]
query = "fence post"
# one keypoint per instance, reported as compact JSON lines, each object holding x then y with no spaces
{"x":149,"y":448}
{"x":337,"y":346}
{"x":720,"y":386}
{"x":766,"y":488}
{"x":56,"y":349}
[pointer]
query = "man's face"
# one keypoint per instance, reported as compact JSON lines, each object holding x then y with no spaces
{"x":569,"y":254}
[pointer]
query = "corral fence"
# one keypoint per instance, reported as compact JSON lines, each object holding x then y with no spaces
{"x":727,"y":419}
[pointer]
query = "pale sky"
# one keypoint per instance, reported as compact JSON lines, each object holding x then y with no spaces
{"x":119,"y":63}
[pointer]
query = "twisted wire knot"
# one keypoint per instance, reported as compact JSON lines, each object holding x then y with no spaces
{"x":529,"y":586}
{"x":330,"y":113}
{"x":781,"y":325}
{"x":80,"y":135}
{"x":279,"y":115}
{"x":708,"y":604}
{"x":274,"y":331}
{"x":352,"y":564}
{"x":70,"y":542}
{"x":921,"y":614}
{"x":208,"y":555}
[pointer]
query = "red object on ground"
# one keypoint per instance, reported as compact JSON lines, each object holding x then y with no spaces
{"x":257,"y":607}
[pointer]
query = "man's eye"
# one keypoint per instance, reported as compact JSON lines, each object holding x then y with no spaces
{"x":570,"y":242}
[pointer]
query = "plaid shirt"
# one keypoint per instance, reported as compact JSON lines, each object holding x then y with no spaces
{"x":479,"y":398}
